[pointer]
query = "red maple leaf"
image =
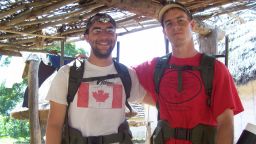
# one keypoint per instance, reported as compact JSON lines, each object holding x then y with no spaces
{"x":100,"y":96}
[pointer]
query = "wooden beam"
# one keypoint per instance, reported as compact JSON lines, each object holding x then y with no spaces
{"x":11,"y":45}
{"x":226,"y":11}
{"x":37,"y":12}
{"x":23,"y":41}
{"x":10,"y":53}
{"x":140,"y":7}
{"x":13,"y":9}
{"x":61,"y":17}
{"x":21,"y":48}
{"x":30,"y":34}
{"x":67,"y":20}
{"x":206,"y":4}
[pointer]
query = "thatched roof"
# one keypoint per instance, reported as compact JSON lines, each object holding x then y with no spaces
{"x":31,"y":25}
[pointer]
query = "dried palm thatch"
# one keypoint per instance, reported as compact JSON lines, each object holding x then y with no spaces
{"x":23,"y":114}
{"x":32,"y":25}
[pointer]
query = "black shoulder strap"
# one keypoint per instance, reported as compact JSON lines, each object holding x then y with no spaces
{"x":160,"y":67}
{"x":122,"y":70}
{"x":74,"y":81}
{"x":207,"y":74}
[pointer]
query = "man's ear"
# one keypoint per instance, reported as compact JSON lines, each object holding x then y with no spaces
{"x":165,"y":35}
{"x":86,"y":37}
{"x":193,"y":24}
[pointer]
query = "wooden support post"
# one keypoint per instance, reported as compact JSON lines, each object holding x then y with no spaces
{"x":148,"y":124}
{"x":166,"y":45}
{"x":62,"y":53}
{"x":118,"y":51}
{"x":208,"y":43}
{"x":226,"y":50}
{"x":35,"y":131}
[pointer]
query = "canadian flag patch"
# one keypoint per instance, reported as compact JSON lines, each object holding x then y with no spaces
{"x":99,"y":96}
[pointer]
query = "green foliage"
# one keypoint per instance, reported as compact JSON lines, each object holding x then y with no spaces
{"x":10,"y":96}
{"x":14,"y":128}
{"x":69,"y":49}
{"x":6,"y":61}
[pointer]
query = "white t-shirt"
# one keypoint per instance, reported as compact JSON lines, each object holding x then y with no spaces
{"x":96,"y":109}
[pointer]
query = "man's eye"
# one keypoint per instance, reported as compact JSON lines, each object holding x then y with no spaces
{"x":168,"y":23}
{"x":110,"y":30}
{"x":97,"y":31}
{"x":181,"y":21}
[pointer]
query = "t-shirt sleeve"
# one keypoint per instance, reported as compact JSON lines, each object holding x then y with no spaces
{"x":137,"y":91}
{"x":59,"y":86}
{"x":225,"y":94}
{"x":145,"y":73}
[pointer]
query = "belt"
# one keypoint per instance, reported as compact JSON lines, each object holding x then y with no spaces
{"x":191,"y":134}
{"x":75,"y":137}
{"x":106,"y":139}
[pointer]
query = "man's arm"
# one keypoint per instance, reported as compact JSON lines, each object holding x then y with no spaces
{"x":225,"y":127}
{"x":149,"y":100}
{"x":55,"y":123}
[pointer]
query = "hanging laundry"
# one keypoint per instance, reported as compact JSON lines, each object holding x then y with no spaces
{"x":43,"y":73}
{"x":55,"y":60}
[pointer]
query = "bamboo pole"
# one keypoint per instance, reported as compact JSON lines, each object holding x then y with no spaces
{"x":40,"y":11}
{"x":67,"y":20}
{"x":10,"y":53}
{"x":142,"y":7}
{"x":14,"y":9}
{"x":62,"y":46}
{"x":35,"y":131}
{"x":30,"y":34}
{"x":61,"y":17}
{"x":11,"y":45}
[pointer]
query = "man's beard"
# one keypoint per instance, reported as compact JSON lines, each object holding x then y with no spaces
{"x":99,"y":54}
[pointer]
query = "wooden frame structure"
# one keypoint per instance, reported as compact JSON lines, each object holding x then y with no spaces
{"x":32,"y":25}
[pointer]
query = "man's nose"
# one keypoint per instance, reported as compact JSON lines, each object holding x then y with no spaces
{"x":175,"y":26}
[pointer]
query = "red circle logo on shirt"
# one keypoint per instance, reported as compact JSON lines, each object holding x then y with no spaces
{"x":175,"y":89}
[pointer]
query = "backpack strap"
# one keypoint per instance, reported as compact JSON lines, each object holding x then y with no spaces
{"x":74,"y":81}
{"x":160,"y":67}
{"x":207,"y":74}
{"x":100,"y":78}
{"x":122,"y":70}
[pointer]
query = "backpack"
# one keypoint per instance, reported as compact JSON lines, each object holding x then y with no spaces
{"x":163,"y":131}
{"x":206,"y":69}
{"x":76,"y":77}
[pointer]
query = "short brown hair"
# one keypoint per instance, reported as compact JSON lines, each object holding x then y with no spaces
{"x":100,"y":17}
